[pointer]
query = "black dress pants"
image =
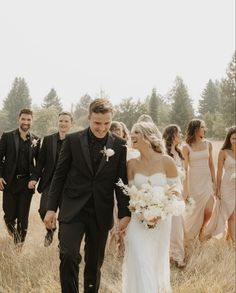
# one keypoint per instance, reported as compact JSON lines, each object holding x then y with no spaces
{"x":16,"y":206}
{"x":70,"y":237}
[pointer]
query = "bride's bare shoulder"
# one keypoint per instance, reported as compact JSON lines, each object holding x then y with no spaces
{"x":167,"y":160}
{"x":169,"y":166}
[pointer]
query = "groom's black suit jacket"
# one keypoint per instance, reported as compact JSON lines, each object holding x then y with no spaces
{"x":75,"y":176}
{"x":46,"y":162}
{"x":9,"y":149}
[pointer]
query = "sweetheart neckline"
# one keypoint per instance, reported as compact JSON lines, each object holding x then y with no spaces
{"x":149,"y":175}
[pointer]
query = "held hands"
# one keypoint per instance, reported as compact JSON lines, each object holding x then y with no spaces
{"x":217,"y":194}
{"x":31,"y":184}
{"x":122,"y":225}
{"x":2,"y":183}
{"x":50,"y":220}
{"x":117,"y":235}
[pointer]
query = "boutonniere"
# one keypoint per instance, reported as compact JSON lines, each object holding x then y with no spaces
{"x":107,"y":152}
{"x":34,"y":142}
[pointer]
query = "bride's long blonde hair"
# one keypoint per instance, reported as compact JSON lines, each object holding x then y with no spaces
{"x":151,"y":134}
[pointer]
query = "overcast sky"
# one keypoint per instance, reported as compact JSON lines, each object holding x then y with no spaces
{"x":125,"y":47}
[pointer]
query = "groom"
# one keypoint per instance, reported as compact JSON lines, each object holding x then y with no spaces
{"x":90,"y":163}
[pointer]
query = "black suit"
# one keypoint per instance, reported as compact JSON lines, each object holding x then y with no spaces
{"x":87,"y":206}
{"x":17,"y":156}
{"x":45,"y":167}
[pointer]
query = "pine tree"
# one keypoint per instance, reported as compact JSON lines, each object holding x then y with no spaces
{"x":17,"y":99}
{"x":210,"y":98}
{"x":81,"y":111}
{"x":45,"y":121}
{"x":182,"y":111}
{"x":128,"y":111}
{"x":52,"y":99}
{"x":153,"y":106}
{"x":228,"y":87}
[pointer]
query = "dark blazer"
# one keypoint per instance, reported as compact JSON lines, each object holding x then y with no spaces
{"x":74,"y":175}
{"x":46,"y":161}
{"x":9,"y":148}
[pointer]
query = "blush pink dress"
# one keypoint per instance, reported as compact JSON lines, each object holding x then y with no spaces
{"x":177,"y":250}
{"x":217,"y":226}
{"x":200,"y":189}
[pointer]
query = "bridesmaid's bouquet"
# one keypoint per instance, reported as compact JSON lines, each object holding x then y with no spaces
{"x":153,"y":203}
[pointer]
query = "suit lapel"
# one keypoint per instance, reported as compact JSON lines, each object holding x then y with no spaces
{"x":16,"y":141}
{"x":30,"y":148}
{"x":85,"y":149}
{"x":109,"y":145}
{"x":54,"y":146}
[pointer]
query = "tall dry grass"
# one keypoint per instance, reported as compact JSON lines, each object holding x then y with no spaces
{"x":210,"y":266}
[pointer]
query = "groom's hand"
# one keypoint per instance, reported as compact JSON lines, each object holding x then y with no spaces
{"x":122,"y":225}
{"x":50,"y":220}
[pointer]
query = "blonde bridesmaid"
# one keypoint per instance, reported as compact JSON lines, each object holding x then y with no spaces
{"x":172,"y":136}
{"x":200,"y":173}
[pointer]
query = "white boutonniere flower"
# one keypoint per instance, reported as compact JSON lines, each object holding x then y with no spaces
{"x":107,"y":152}
{"x":34,"y":142}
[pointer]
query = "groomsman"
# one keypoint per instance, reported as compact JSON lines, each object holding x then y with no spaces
{"x":90,"y":163}
{"x":46,"y":164}
{"x":18,"y":151}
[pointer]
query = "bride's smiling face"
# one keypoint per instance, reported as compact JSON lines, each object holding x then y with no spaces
{"x":137,"y":139}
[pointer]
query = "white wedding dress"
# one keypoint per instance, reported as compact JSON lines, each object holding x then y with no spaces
{"x":146,"y":267}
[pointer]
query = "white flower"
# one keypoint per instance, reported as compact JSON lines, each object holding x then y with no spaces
{"x":34,"y":142}
{"x":152,"y":203}
{"x":107,"y":152}
{"x":190,"y":205}
{"x":233,"y":176}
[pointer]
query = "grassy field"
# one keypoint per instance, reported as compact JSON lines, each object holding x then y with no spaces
{"x":210,"y":268}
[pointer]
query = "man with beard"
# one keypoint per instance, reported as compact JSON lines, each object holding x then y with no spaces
{"x":18,"y":151}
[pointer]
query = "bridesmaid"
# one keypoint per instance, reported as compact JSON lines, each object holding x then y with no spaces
{"x":226,"y":185}
{"x":172,"y":136}
{"x":116,"y":128}
{"x":200,"y":175}
{"x":125,"y":132}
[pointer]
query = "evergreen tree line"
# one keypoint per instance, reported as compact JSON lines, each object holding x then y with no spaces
{"x":216,"y":107}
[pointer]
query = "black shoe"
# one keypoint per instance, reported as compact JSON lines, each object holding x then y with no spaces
{"x":48,"y":238}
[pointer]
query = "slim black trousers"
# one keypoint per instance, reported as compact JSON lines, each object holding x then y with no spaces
{"x":16,"y":206}
{"x":70,"y":237}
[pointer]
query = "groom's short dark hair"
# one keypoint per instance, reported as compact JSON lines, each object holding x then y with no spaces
{"x":100,"y":106}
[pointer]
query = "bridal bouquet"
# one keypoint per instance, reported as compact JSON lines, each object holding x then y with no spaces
{"x":153,"y":203}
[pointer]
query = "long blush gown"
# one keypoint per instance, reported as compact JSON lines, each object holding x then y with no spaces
{"x":217,"y":226}
{"x":200,"y":189}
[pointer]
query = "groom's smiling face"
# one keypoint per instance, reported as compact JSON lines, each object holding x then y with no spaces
{"x":100,"y":123}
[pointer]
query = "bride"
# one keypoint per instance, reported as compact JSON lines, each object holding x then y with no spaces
{"x":146,"y":266}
